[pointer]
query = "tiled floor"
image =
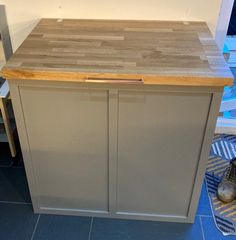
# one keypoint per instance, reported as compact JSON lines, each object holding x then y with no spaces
{"x":18,"y":222}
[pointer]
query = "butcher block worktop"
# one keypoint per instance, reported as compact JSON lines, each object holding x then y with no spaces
{"x":147,"y":52}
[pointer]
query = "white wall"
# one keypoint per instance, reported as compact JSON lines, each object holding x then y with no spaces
{"x":24,"y":14}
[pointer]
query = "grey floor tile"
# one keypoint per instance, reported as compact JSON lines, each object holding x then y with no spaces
{"x":62,"y":228}
{"x":18,"y":159}
{"x":13,"y":185}
{"x":204,"y":207}
{"x":114,"y":229}
{"x":17,"y":221}
{"x":5,"y":155}
{"x":211,"y":232}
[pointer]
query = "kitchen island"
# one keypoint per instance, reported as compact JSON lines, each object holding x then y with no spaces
{"x":116,"y":118}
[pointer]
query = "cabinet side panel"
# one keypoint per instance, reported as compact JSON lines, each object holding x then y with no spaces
{"x":159,"y":144}
{"x":24,"y":142}
{"x":68,"y":137}
{"x":206,"y":146}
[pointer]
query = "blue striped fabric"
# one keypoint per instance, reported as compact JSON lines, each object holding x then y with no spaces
{"x":223,"y":150}
{"x":224,"y":146}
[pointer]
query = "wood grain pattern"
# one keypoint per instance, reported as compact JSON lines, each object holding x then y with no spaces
{"x":157,"y":52}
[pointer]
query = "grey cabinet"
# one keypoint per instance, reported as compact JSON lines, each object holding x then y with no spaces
{"x":115,"y":150}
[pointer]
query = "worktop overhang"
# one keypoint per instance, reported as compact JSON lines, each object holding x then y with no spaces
{"x":148,"y":52}
{"x":79,"y":77}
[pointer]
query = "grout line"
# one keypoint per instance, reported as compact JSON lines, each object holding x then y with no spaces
{"x":6,"y":166}
{"x":35,"y":227}
{"x":9,"y":202}
{"x":203,"y":235}
{"x":90,"y":230}
{"x":10,"y":166}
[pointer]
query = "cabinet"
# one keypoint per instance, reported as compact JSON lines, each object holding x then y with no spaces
{"x":116,"y":118}
{"x":114,"y":150}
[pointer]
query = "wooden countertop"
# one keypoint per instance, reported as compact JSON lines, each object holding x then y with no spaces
{"x":155,"y":52}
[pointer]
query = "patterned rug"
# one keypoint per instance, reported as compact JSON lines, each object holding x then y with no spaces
{"x":222,"y":151}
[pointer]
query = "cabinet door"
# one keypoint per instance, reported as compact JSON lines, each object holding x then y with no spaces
{"x":159,"y":142}
{"x":68,"y":138}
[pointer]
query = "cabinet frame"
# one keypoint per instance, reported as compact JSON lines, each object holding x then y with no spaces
{"x":113,"y":111}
